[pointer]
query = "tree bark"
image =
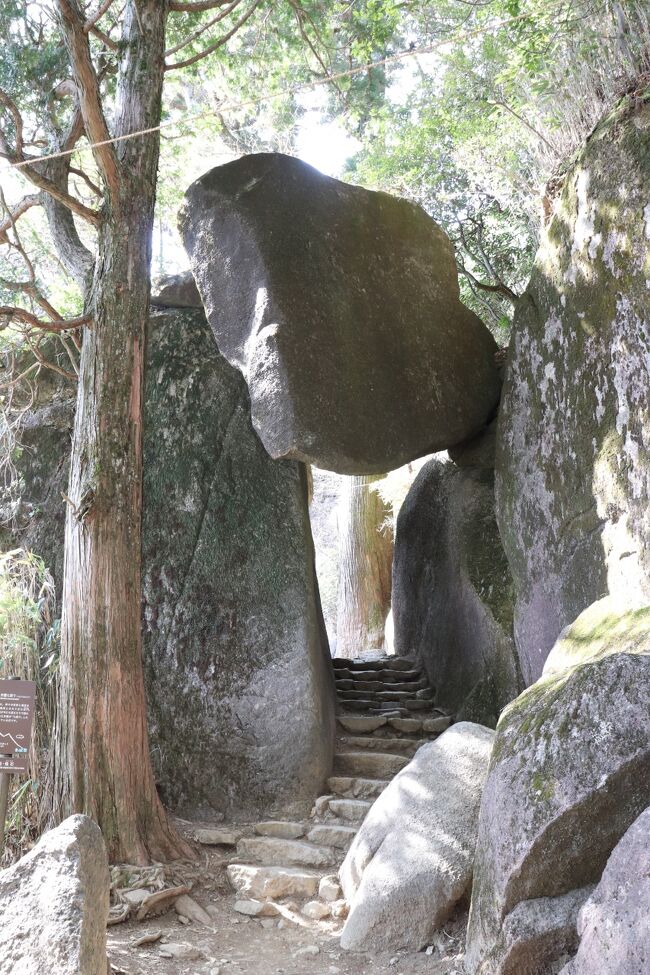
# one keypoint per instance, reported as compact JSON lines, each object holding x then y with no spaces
{"x":102,"y":761}
{"x":365,"y":564}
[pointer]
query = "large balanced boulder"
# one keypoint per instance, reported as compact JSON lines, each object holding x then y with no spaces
{"x":238,"y":676}
{"x":340,"y":306}
{"x":54,"y":904}
{"x":453,"y":593}
{"x":411,"y":861}
{"x":614,"y":924}
{"x":573,"y":451}
{"x":570,"y":771}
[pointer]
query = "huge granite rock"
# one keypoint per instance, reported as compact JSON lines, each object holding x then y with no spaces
{"x":614,"y":924}
{"x":570,"y":771}
{"x":54,"y":904}
{"x":453,"y":593}
{"x":573,"y":469}
{"x":236,"y":664}
{"x":411,"y":861}
{"x":341,"y":308}
{"x":238,"y":676}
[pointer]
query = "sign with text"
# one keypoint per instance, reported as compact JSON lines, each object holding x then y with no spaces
{"x":17,"y":704}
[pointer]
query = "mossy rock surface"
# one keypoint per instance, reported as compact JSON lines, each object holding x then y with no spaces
{"x":573,"y":441}
{"x":570,"y":771}
{"x":237,"y":673}
{"x":453,"y":594}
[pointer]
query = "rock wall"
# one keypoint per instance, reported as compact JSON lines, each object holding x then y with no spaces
{"x":452,"y":590}
{"x":236,"y":661}
{"x":573,"y":470}
{"x":238,"y":680}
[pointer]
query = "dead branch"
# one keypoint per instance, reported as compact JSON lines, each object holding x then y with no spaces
{"x":27,"y":202}
{"x":11,"y":313}
{"x":196,"y":6}
{"x":201,"y":30}
{"x":99,"y":13}
{"x":218,"y":43}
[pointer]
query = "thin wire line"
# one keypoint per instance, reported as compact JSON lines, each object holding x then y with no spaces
{"x":249,"y":103}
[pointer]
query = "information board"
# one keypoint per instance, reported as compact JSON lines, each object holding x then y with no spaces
{"x":17,"y":704}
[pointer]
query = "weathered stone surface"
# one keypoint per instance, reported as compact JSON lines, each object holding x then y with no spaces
{"x":286,"y":831}
{"x":240,"y":696}
{"x":411,"y":861}
{"x":316,"y":910}
{"x":573,"y":446}
{"x":340,"y":306}
{"x":570,"y":771}
{"x":255,"y":908}
{"x":238,"y":675}
{"x":614,"y":924}
{"x":264,"y":882}
{"x":176,"y":291}
{"x":277,"y":852}
{"x":32,"y":509}
{"x":453,"y":594}
{"x":215,"y":836}
{"x":536,"y":935}
{"x":54,"y":904}
{"x":329,"y":889}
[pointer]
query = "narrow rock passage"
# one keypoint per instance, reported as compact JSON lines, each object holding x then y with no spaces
{"x":284,"y":873}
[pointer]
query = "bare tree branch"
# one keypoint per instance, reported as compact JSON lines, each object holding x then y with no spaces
{"x":498,"y":289}
{"x":201,"y":30}
{"x":218,"y":43}
{"x":99,"y":13}
{"x":196,"y":6}
{"x":76,"y":42}
{"x":27,"y":202}
{"x":11,"y":313}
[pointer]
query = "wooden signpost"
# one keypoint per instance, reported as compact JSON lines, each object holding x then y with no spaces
{"x":17,"y":704}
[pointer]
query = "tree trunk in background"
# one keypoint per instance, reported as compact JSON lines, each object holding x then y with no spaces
{"x":365,"y":564}
{"x":102,"y":762}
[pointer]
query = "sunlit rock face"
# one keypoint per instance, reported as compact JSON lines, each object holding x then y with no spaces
{"x":411,"y":861}
{"x":340,"y":306}
{"x":573,"y":468}
{"x":569,"y":773}
{"x":452,"y":588}
{"x":237,"y":670}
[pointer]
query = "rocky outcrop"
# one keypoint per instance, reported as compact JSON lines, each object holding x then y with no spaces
{"x":452,"y":590}
{"x":613,"y":924}
{"x":411,"y":861}
{"x":175,"y":291}
{"x":341,"y":308}
{"x":238,"y":680}
{"x":570,"y":771}
{"x":54,"y":904}
{"x":573,"y":469}
{"x":536,"y":934}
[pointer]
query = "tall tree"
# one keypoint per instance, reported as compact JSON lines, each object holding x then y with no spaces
{"x":365,"y":566}
{"x":114,"y":88}
{"x":103,"y":86}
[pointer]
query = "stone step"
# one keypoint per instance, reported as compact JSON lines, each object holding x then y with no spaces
{"x":376,"y":707}
{"x":277,"y":852}
{"x":385,"y":676}
{"x":361,"y":723}
{"x":351,"y":810}
{"x":331,"y":834}
{"x":281,"y":829}
{"x":382,"y":663}
{"x":417,"y":705}
{"x":398,"y":696}
{"x":365,"y":764}
{"x":351,"y":787}
{"x":272,"y":882}
{"x":380,"y":685}
{"x":399,"y":746}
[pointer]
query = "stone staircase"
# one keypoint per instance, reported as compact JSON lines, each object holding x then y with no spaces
{"x":384,"y":714}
